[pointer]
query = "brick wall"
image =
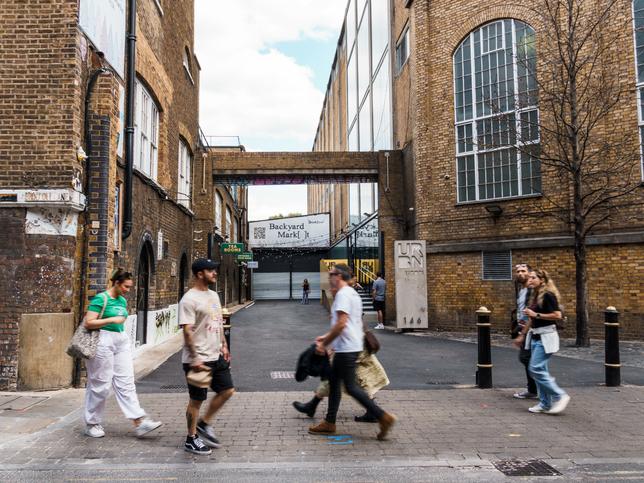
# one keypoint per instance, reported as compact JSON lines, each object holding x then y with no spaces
{"x":455,"y":288}
{"x":45,"y":63}
{"x":40,"y":115}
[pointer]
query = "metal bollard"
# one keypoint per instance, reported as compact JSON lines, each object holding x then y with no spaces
{"x":611,"y":347}
{"x":226,"y":315}
{"x":484,"y":366}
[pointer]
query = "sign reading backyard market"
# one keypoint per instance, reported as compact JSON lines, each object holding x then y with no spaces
{"x":245,"y":257}
{"x":232,"y":248}
{"x":311,"y":231}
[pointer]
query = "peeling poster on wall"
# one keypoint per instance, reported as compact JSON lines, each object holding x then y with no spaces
{"x":51,"y":221}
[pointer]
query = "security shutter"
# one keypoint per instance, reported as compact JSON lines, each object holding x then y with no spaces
{"x":497,"y":265}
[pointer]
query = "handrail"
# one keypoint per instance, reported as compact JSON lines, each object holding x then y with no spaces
{"x":371,"y":276}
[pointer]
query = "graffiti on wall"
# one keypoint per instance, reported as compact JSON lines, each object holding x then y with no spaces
{"x":162,"y":324}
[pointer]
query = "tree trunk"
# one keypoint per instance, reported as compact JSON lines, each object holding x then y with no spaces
{"x":582,"y":338}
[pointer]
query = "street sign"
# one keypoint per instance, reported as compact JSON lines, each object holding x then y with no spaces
{"x":245,"y":257}
{"x":252,"y":265}
{"x":232,"y":248}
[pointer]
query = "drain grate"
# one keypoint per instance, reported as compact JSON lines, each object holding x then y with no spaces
{"x":525,"y":468}
{"x":442,"y":383}
{"x":282,"y":374}
{"x":173,"y":387}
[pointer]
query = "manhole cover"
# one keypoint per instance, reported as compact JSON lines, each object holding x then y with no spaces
{"x":282,"y":375}
{"x":525,"y":468}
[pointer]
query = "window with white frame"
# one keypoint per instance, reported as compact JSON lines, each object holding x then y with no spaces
{"x":402,"y":50}
{"x":146,"y":124}
{"x":186,"y":64}
{"x":184,"y":185}
{"x":229,"y":222}
{"x":495,"y":99}
{"x":638,"y":20}
{"x":219,"y":201}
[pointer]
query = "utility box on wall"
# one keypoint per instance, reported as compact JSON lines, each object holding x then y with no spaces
{"x":411,"y":284}
{"x":43,"y":362}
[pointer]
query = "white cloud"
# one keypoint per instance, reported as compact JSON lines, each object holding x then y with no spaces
{"x":250,"y":89}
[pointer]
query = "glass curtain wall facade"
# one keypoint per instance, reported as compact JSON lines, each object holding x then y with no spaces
{"x":369,"y":113}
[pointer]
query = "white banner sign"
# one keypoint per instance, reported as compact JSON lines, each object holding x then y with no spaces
{"x":104,"y":23}
{"x":300,"y":231}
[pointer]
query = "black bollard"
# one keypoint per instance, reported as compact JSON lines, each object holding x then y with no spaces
{"x":484,"y":366}
{"x":611,"y":347}
{"x":226,"y":315}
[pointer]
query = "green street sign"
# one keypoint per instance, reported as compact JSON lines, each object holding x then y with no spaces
{"x":245,"y":257}
{"x":232,"y":248}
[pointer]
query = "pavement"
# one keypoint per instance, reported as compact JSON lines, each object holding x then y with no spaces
{"x":446,"y":432}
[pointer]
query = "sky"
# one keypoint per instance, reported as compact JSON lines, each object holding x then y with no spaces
{"x":265,"y":65}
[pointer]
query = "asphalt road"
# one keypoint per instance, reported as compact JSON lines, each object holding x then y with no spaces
{"x":269,"y":336}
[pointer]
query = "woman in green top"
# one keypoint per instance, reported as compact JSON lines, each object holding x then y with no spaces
{"x":112,"y":366}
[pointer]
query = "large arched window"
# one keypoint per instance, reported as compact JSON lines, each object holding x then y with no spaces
{"x":638,"y":19}
{"x":495,"y":97}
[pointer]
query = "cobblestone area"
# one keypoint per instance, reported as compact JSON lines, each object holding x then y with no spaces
{"x":461,"y":425}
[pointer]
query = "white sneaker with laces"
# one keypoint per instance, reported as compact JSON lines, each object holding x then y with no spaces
{"x":94,"y":431}
{"x":559,"y":405}
{"x":146,"y":426}
{"x":537,"y":409}
{"x":379,"y":326}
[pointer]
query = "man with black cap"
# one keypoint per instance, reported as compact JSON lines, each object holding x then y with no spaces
{"x":204,"y":351}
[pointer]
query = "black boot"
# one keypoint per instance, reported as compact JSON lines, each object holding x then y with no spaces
{"x":366,"y":418}
{"x":308,"y":408}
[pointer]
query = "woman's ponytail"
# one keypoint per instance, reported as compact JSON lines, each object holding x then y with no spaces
{"x":119,"y":276}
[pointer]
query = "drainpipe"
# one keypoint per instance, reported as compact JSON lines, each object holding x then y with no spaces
{"x":93,"y":77}
{"x":129,"y":118}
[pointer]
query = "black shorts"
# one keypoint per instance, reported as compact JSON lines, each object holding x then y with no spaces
{"x":379,"y":306}
{"x":221,"y":379}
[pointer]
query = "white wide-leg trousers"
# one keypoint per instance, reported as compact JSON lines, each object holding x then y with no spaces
{"x":111,"y":368}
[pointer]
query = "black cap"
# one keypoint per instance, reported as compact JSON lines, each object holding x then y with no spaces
{"x":203,"y":264}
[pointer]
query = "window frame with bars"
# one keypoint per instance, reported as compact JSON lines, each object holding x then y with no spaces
{"x":501,"y":161}
{"x":639,"y":78}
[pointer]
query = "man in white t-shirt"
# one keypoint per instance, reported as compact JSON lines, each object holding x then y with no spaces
{"x":345,"y":340}
{"x":204,"y":350}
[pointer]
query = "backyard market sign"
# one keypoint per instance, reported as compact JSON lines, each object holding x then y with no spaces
{"x":298,"y":231}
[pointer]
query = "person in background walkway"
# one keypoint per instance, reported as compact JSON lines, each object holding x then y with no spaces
{"x":378,"y":295}
{"x":522,"y":271}
{"x":540,"y":334}
{"x":346,"y":338}
{"x":112,"y":366}
{"x":306,"y":288}
{"x":204,"y":350}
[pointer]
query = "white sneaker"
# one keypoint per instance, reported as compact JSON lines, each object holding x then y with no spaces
{"x":94,"y":431}
{"x":537,"y":409}
{"x":559,"y":405}
{"x":379,"y":326}
{"x":146,"y":426}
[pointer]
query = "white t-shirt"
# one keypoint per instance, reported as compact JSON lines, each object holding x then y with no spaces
{"x":351,"y":339}
{"x":202,"y":309}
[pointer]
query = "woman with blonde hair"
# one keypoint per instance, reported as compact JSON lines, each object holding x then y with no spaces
{"x":112,"y":367}
{"x":541,"y":337}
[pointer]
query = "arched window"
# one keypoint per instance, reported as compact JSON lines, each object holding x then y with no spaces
{"x":638,"y":20}
{"x":495,"y":99}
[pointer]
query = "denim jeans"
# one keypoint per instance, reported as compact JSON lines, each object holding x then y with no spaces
{"x":524,"y":358}
{"x":547,"y":388}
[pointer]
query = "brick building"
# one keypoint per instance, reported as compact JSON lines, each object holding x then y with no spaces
{"x":221,"y":217}
{"x":64,"y":82}
{"x":473,"y":207}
